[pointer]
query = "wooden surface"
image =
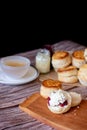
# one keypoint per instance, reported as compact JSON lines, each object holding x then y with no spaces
{"x":13,"y":118}
{"x":74,"y":119}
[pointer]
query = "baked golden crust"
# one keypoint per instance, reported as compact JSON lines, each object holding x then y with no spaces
{"x":78,"y":54}
{"x":50,"y":83}
{"x":69,"y":68}
{"x":68,"y":79}
{"x":67,"y":71}
{"x":60,"y":55}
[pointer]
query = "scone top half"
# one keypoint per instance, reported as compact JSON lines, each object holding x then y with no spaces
{"x":68,"y":71}
{"x":78,"y":54}
{"x":49,"y":85}
{"x":60,"y":55}
{"x":68,"y":74}
{"x":78,"y":58}
{"x":61,"y":59}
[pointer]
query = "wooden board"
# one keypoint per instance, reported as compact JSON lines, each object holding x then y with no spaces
{"x":75,"y":119}
{"x":53,"y":75}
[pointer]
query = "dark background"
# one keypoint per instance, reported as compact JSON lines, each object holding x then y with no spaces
{"x":21,"y":42}
{"x":23,"y":29}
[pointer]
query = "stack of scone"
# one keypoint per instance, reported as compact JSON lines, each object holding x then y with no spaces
{"x":61,"y":59}
{"x":68,"y":74}
{"x":68,"y":64}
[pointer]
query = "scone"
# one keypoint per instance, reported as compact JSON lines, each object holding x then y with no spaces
{"x":85,"y":54}
{"x":68,"y":74}
{"x":49,"y":85}
{"x":61,"y":59}
{"x":59,"y":102}
{"x":82,"y":75}
{"x":76,"y":98}
{"x":78,"y":58}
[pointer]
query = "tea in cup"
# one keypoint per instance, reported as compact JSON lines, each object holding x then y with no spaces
{"x":15,"y":67}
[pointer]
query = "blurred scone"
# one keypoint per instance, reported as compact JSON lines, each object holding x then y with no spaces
{"x":78,"y":58}
{"x":82,"y":74}
{"x":59,"y":102}
{"x":61,"y":59}
{"x":49,"y":85}
{"x":76,"y":98}
{"x":68,"y":74}
{"x":85,"y":54}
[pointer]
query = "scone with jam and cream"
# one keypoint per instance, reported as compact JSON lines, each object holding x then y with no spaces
{"x":59,"y":101}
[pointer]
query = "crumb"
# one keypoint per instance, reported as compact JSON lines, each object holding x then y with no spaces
{"x":86,"y":98}
{"x":77,"y":106}
{"x":75,"y":110}
{"x":74,"y":114}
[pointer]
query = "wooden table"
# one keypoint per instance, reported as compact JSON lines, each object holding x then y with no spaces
{"x":11,"y":117}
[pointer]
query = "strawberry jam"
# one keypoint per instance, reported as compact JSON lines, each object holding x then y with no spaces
{"x":63,"y":104}
{"x":48,"y":99}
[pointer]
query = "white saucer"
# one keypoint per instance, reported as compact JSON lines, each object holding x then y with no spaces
{"x":30,"y":76}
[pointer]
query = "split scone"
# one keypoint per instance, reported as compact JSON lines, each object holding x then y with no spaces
{"x":82,"y":74}
{"x":76,"y":98}
{"x":59,"y":102}
{"x":68,"y":74}
{"x":78,"y":58}
{"x":49,"y":85}
{"x":61,"y":59}
{"x":85,"y":54}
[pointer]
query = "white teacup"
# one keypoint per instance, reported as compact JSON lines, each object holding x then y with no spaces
{"x":15,"y":67}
